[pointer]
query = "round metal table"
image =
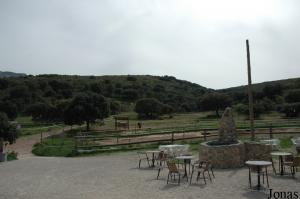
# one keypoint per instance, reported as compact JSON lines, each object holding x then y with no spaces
{"x":281,"y":155}
{"x":258,"y":164}
{"x":186,"y":159}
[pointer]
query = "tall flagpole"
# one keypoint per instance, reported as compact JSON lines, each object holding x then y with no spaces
{"x":250,"y":94}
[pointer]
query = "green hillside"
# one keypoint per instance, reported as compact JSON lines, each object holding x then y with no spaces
{"x":23,"y":91}
{"x":271,"y":89}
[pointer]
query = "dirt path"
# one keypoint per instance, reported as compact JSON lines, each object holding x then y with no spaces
{"x":23,"y":145}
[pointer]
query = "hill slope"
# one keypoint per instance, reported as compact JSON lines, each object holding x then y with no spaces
{"x":181,"y":95}
{"x":11,"y":74}
{"x":275,"y":90}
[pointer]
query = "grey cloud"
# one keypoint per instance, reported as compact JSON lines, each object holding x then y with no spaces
{"x":148,"y":37}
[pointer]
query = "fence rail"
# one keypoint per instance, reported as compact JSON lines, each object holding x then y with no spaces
{"x":94,"y":142}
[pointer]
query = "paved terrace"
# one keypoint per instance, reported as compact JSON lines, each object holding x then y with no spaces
{"x":116,"y":176}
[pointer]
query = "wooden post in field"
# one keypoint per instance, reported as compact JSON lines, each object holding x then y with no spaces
{"x":41,"y":137}
{"x":250,"y":95}
{"x":271,"y":131}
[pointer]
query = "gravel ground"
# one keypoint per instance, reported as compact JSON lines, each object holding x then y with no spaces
{"x":117,"y":176}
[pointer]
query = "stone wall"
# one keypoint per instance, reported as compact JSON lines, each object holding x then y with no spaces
{"x":257,"y":151}
{"x":234,"y":155}
{"x":223,"y":156}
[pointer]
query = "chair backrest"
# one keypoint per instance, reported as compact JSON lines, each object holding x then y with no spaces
{"x":296,"y":161}
{"x":172,"y":166}
{"x":161,"y":155}
{"x":142,"y":154}
{"x":288,"y":158}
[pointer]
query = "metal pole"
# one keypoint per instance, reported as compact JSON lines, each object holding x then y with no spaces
{"x":250,"y":95}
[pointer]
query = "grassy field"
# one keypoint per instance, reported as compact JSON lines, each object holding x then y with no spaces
{"x":28,"y":127}
{"x":65,"y":147}
{"x":177,"y":123}
{"x":198,"y":121}
{"x":180,"y":122}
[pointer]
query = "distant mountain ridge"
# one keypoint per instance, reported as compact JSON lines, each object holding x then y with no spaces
{"x":291,"y":83}
{"x":11,"y":74}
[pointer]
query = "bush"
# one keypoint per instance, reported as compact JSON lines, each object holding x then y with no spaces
{"x":115,"y":107}
{"x":151,"y":108}
{"x":12,"y":156}
{"x":258,"y":109}
{"x":214,"y":101}
{"x":291,"y":110}
{"x":293,"y":96}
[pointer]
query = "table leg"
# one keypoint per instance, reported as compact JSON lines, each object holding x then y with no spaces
{"x":281,"y":165}
{"x":258,"y":178}
{"x":185,"y":171}
{"x":153,"y":160}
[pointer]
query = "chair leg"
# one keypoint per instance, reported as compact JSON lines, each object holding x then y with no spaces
{"x":250,"y":178}
{"x":158,"y":173}
{"x":267,"y":177}
{"x":198,"y":175}
{"x":212,"y":172}
{"x":191,"y":176}
{"x":168,"y":178}
{"x":274,"y":170}
{"x":209,"y":175}
{"x":293,"y":171}
{"x":178,"y":178}
{"x":148,"y":162}
{"x":204,"y":178}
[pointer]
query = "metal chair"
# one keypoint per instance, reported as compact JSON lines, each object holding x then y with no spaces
{"x":143,"y":156}
{"x":173,"y":171}
{"x":202,"y":167}
{"x":293,"y":165}
{"x":161,"y":160}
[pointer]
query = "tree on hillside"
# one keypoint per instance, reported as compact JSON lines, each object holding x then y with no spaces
{"x":115,"y":107}
{"x":258,"y":109}
{"x":130,"y":94}
{"x":40,"y":111}
{"x":8,"y":131}
{"x":214,"y":101}
{"x":291,"y":109}
{"x":151,"y":108}
{"x":293,"y":96}
{"x":271,"y":91}
{"x":10,"y":109}
{"x":86,"y":108}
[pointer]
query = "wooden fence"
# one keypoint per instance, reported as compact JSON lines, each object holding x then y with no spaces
{"x":115,"y":139}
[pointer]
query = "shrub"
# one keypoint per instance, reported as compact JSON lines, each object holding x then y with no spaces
{"x":293,"y":96}
{"x":291,"y":110}
{"x":151,"y":108}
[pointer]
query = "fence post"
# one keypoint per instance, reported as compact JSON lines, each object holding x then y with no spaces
{"x":41,"y":137}
{"x":205,"y":132}
{"x":117,"y":139}
{"x":172,"y":138}
{"x":75,"y":144}
{"x":271,"y":131}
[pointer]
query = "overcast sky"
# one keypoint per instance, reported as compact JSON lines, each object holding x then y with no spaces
{"x":199,"y":41}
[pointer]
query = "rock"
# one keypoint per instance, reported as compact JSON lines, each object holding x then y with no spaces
{"x":227,"y":130}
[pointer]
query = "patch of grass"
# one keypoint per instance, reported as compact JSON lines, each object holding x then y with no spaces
{"x":286,"y":142}
{"x":12,"y":156}
{"x":29,"y":127}
{"x":62,"y":147}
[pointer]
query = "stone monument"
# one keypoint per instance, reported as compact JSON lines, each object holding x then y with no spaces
{"x":227,"y":130}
